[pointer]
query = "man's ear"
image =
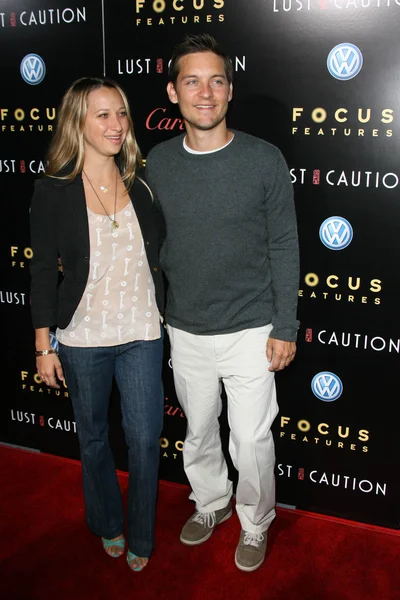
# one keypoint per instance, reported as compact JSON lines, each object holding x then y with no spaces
{"x":172,"y":93}
{"x":230,"y":92}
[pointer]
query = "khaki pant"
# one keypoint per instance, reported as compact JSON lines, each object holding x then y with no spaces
{"x":238,"y":360}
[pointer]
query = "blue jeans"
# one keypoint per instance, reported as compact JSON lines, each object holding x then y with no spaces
{"x":137,"y":369}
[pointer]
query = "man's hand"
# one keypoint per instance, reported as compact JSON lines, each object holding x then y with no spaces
{"x":280,"y":353}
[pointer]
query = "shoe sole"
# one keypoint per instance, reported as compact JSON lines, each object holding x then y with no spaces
{"x":207,"y":537}
{"x":248,"y":569}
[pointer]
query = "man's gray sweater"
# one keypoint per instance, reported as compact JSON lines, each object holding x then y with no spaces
{"x":231,"y":253}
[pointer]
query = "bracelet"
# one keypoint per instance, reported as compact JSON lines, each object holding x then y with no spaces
{"x":44,"y":352}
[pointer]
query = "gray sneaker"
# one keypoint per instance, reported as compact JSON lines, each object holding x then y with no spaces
{"x":201,"y":525}
{"x":250,"y":551}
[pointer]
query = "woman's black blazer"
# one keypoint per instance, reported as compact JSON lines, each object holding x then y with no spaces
{"x":60,"y":229}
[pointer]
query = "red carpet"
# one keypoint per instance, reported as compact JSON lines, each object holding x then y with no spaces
{"x":47,"y":552}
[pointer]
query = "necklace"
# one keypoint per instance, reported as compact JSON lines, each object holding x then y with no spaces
{"x":114,"y":223}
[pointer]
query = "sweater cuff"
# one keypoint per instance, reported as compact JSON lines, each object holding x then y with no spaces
{"x":286,"y":334}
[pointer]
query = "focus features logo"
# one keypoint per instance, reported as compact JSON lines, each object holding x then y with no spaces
{"x":359,"y":341}
{"x":172,"y":12}
{"x":367,"y":179}
{"x":350,"y":289}
{"x":336,"y":233}
{"x":344,"y":61}
{"x":170,"y":449}
{"x":327,"y":386}
{"x":337,"y":5}
{"x":32,"y":383}
{"x":19,"y":256}
{"x":33,"y":69}
{"x":360,"y":122}
{"x":147,"y":66}
{"x":27,"y":120}
{"x":335,"y":480}
{"x":324,"y":435}
{"x":46,"y":16}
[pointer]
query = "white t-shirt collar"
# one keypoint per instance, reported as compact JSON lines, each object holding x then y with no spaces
{"x":206,"y":151}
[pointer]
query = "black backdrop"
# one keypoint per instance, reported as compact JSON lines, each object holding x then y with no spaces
{"x":318,"y":78}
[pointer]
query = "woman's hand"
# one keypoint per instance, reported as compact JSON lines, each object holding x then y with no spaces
{"x":49,"y":369}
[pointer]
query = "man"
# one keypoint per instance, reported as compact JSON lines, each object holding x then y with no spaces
{"x":231,"y":260}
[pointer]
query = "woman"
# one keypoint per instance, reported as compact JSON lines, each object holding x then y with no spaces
{"x":92,"y":212}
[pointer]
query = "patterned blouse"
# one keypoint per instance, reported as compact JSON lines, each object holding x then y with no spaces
{"x":118,"y":304}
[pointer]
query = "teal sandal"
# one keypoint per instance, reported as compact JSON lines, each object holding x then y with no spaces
{"x":130,"y":556}
{"x":109,"y":543}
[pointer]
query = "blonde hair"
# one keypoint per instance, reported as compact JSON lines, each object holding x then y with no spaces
{"x":66,"y":148}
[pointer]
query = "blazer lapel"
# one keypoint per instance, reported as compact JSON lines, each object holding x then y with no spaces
{"x":76,"y":206}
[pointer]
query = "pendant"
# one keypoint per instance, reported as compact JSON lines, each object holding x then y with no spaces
{"x":104,"y":189}
{"x":114,"y":225}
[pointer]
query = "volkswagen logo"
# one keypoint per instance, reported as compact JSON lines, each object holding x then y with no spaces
{"x":344,"y":61}
{"x":32,"y":69}
{"x":53,"y":341}
{"x":336,"y":233}
{"x":327,"y":386}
